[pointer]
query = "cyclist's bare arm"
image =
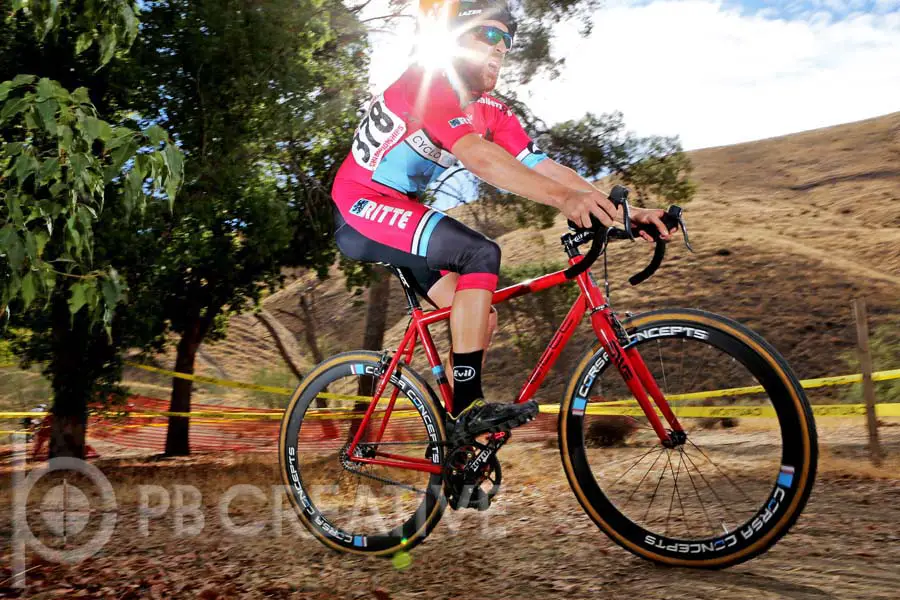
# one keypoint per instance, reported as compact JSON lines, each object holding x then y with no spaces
{"x":569,"y":178}
{"x":496,"y":166}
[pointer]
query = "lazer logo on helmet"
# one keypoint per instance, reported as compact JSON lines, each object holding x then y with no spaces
{"x":371,"y":210}
{"x":469,"y":13}
{"x":463,"y":373}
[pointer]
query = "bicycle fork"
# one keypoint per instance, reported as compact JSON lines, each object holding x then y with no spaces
{"x":638,"y":378}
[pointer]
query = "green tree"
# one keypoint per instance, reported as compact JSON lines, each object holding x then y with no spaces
{"x":67,"y":166}
{"x":262,"y":98}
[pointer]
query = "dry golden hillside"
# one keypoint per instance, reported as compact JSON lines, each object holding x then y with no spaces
{"x":787,"y":231}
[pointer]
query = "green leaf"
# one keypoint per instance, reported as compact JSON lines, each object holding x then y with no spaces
{"x":28,"y":290}
{"x":120,"y":156}
{"x":95,"y":128}
{"x":47,"y":110}
{"x":62,"y":94}
{"x":175,"y":161}
{"x":23,"y":80}
{"x":41,"y":238}
{"x":83,"y":42}
{"x":45,"y":89}
{"x":11,"y":108}
{"x":77,"y":299}
{"x":111,"y":292}
{"x":52,"y":19}
{"x":107,"y":47}
{"x":130,"y":21}
{"x":14,"y":148}
{"x":12,"y":246}
{"x":156,"y":134}
{"x":66,"y":137}
{"x":26,"y":165}
{"x":31,"y":245}
{"x":80,"y":95}
{"x":49,"y":170}
{"x":5,"y":87}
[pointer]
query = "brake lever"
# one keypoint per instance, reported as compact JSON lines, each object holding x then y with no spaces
{"x":684,"y":232}
{"x":618,"y":195}
{"x":678,"y":213}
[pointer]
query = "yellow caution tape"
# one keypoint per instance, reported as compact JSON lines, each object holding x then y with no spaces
{"x":741,"y":391}
{"x":4,"y":432}
{"x":215,"y":381}
{"x":758,"y":389}
{"x":688,"y":412}
{"x":890,"y":409}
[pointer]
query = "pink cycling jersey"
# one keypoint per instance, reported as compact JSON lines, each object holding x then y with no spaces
{"x":402,"y":145}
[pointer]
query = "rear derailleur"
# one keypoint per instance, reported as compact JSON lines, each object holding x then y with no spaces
{"x":472,"y":473}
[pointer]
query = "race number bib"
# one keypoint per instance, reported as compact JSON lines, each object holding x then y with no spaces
{"x":377,"y":133}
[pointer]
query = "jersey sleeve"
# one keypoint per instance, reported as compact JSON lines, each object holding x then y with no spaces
{"x":511,"y":136}
{"x":441,"y":114}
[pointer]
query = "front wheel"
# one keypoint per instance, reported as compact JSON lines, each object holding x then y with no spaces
{"x":740,"y":480}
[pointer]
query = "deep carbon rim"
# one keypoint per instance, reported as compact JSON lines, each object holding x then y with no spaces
{"x":790,"y":487}
{"x":420,"y":522}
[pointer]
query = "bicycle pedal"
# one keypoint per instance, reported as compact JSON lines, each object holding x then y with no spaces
{"x":471,"y":497}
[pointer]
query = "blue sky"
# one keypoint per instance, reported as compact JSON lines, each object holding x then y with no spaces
{"x":716,"y":72}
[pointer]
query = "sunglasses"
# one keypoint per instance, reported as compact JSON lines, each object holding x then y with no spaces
{"x":491,"y":35}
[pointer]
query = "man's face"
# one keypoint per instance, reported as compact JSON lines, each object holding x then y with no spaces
{"x":481,"y":63}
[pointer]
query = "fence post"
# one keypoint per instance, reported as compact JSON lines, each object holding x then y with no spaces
{"x":865,"y":363}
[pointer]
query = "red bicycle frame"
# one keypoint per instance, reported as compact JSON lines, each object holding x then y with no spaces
{"x":591,"y":300}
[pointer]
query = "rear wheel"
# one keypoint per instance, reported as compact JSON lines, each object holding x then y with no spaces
{"x":739,"y":481}
{"x":351,"y":506}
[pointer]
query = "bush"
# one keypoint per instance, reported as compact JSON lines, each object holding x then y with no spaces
{"x":609,"y":430}
{"x":884,"y":343}
{"x":279,"y":376}
{"x":536,"y":317}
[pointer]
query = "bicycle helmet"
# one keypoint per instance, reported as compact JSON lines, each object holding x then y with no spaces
{"x":471,"y":12}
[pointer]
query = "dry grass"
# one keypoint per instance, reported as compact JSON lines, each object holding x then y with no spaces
{"x":787,"y":230}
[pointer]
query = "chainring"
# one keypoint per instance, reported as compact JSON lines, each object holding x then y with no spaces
{"x":463,"y":488}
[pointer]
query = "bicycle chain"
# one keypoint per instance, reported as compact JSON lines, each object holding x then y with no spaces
{"x":345,"y":463}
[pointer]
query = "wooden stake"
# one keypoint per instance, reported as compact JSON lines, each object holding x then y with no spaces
{"x":865,"y":363}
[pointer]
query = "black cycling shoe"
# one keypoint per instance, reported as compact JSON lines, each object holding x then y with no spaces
{"x":485,"y":417}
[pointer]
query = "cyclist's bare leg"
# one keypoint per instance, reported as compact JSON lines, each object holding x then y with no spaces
{"x":443,"y":293}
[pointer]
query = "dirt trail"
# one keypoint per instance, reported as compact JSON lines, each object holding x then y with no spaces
{"x":828,"y":257}
{"x":534,"y":542}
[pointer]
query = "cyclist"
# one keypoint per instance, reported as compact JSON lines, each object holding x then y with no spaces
{"x":421,"y":125}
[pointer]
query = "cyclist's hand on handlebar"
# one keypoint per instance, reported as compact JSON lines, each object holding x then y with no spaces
{"x":652,"y":216}
{"x":579,"y":205}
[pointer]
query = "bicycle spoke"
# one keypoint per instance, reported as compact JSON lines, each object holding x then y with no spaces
{"x":724,"y":474}
{"x":656,"y":489}
{"x":632,"y":466}
{"x":699,"y":499}
{"x":642,"y":479}
{"x":662,"y":366}
{"x":674,"y":492}
{"x":721,"y":502}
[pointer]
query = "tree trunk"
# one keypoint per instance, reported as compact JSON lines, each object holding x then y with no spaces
{"x":72,"y":380}
{"x":373,"y":338}
{"x":309,"y":330}
{"x":177,"y":434}
{"x":284,"y":341}
{"x":376,"y":312}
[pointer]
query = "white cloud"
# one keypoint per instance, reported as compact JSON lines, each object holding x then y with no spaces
{"x":711,"y":73}
{"x":715,"y":76}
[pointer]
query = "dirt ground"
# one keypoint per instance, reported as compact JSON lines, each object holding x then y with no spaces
{"x":535,"y":541}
